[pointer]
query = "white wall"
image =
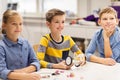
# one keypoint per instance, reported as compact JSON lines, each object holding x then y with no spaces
{"x":96,"y":4}
{"x":82,"y":8}
{"x":3,"y":7}
{"x":86,"y":7}
{"x":33,"y":31}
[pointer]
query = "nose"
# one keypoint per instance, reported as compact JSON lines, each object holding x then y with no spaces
{"x":61,"y":24}
{"x":18,"y":26}
{"x":108,"y":21}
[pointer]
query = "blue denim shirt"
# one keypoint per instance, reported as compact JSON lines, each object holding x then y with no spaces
{"x":15,"y":56}
{"x":97,"y":42}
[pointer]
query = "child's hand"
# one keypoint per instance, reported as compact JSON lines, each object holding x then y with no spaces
{"x":82,"y":59}
{"x":79,"y":60}
{"x":108,"y":61}
{"x":31,"y":76}
{"x":62,"y":65}
{"x":108,"y":30}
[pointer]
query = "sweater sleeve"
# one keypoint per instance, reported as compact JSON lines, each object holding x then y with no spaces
{"x":74,"y":47}
{"x":41,"y":53}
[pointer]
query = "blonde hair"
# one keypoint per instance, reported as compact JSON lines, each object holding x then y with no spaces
{"x":53,"y":12}
{"x":7,"y":14}
{"x":108,"y":10}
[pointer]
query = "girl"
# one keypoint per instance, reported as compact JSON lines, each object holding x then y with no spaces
{"x":17,"y":58}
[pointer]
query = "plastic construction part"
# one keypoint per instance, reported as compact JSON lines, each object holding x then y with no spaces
{"x":71,"y":75}
{"x":68,"y":61}
{"x":77,"y":65}
{"x":46,"y":76}
{"x":57,"y":72}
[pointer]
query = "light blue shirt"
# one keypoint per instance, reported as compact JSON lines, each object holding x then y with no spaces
{"x":97,"y":43}
{"x":16,"y":56}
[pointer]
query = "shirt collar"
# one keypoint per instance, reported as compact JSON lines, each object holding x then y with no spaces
{"x":10,"y":43}
{"x":115,"y":36}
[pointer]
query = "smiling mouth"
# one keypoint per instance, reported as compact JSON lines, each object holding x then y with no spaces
{"x":17,"y":31}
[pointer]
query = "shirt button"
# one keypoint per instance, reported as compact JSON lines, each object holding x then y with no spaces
{"x":21,"y":63}
{"x":25,"y":48}
{"x":20,"y":55}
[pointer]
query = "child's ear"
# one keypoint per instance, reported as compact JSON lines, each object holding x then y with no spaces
{"x":3,"y":25}
{"x":3,"y":28}
{"x":47,"y":23}
{"x":99,"y":22}
{"x":117,"y":21}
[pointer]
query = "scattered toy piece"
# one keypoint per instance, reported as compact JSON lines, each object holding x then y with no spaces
{"x":71,"y":75}
{"x":45,"y":76}
{"x":57,"y":72}
{"x":62,"y":71}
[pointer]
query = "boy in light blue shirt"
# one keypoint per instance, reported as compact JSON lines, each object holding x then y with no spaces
{"x":106,"y":40}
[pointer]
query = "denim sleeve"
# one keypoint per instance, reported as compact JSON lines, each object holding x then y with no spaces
{"x":37,"y":65}
{"x":4,"y":73}
{"x":116,"y":52}
{"x":32,"y":58}
{"x":3,"y":68}
{"x":91,"y":48}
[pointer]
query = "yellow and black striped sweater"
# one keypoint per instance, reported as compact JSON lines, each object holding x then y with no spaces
{"x":50,"y":52}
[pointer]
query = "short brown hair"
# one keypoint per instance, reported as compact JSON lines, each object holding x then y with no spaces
{"x":108,"y":10}
{"x":53,"y":12}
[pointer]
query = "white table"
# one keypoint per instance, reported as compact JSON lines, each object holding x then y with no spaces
{"x":90,"y":71}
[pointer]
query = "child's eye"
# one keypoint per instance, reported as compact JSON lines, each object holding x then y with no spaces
{"x":111,"y":18}
{"x":104,"y":18}
{"x":14,"y":23}
{"x":20,"y":24}
{"x":63,"y":21}
{"x":56,"y":22}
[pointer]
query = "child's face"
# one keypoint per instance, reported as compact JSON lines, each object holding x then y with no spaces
{"x":13,"y":27}
{"x":57,"y":24}
{"x":108,"y":21}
